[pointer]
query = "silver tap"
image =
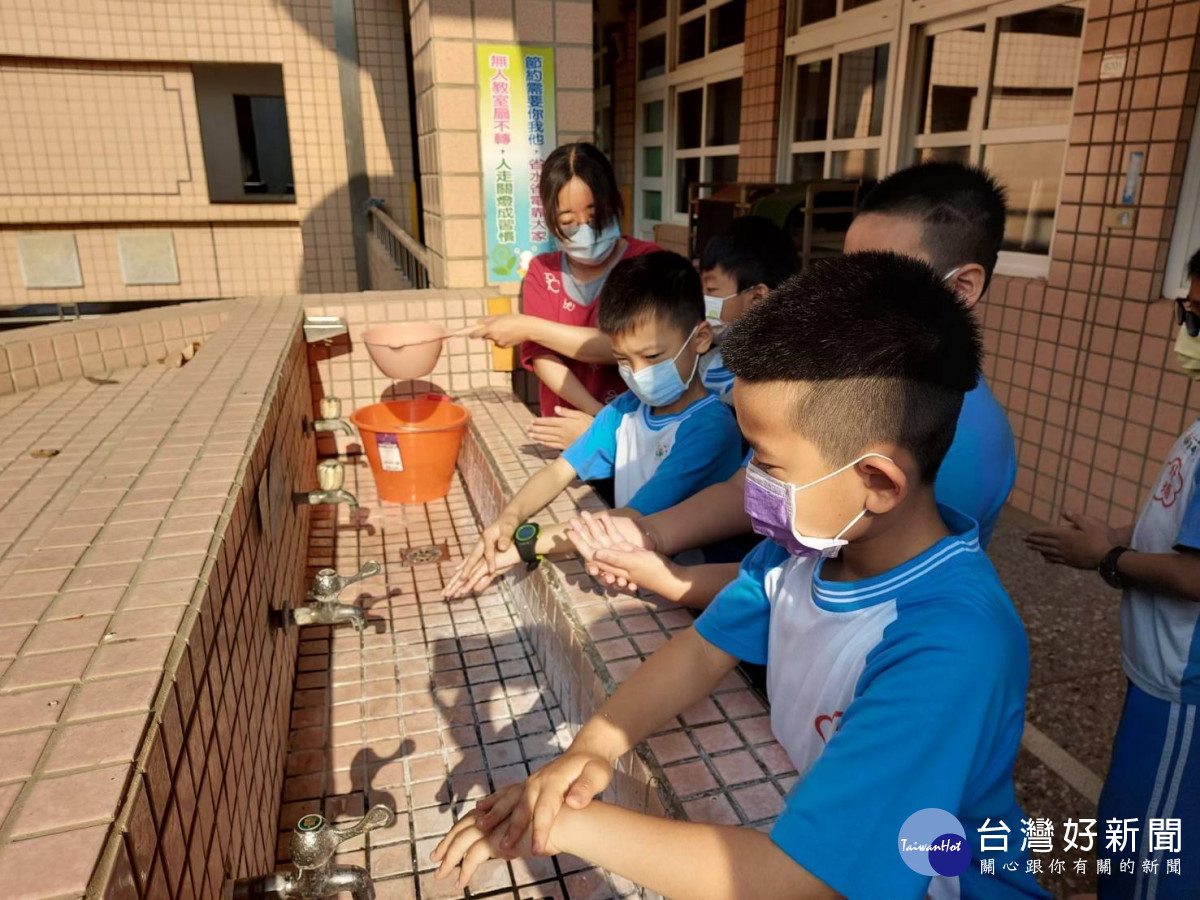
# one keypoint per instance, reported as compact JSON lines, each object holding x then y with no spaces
{"x":331,"y":474}
{"x":331,"y":417}
{"x":322,"y":607}
{"x":313,"y":844}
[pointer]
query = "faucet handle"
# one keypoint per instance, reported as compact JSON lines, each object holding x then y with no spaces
{"x":331,"y":408}
{"x":378,"y":816}
{"x":314,"y":840}
{"x":331,"y":474}
{"x":328,"y":583}
{"x":369,"y":568}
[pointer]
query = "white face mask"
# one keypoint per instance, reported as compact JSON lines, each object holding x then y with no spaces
{"x":587,"y":247}
{"x":713,"y":307}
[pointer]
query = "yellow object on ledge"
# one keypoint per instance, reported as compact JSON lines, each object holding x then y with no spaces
{"x":504,"y":359}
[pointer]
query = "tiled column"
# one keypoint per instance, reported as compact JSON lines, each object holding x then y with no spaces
{"x":762,"y":83}
{"x":1083,"y":361}
{"x":625,"y":115}
{"x":445,"y":34}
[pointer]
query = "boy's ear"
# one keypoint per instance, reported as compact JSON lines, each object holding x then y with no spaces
{"x":886,"y":481}
{"x":968,"y":282}
{"x":702,"y":340}
{"x":755,"y":295}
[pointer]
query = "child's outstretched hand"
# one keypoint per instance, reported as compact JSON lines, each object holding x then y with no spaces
{"x":561,"y":430}
{"x":1082,"y":543}
{"x":487,"y":560}
{"x":621,"y":555}
{"x":467,"y":846}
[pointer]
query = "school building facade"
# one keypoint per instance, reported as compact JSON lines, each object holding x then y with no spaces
{"x":161,"y":151}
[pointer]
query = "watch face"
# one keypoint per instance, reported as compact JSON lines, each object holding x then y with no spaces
{"x":525,"y":532}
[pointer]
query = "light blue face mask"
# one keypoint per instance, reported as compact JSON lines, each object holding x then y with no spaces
{"x":659,"y":384}
{"x":587,"y":247}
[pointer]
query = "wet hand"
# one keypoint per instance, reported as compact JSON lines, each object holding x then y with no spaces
{"x":467,"y":846}
{"x":495,"y":541}
{"x":593,"y":535}
{"x":558,"y":432}
{"x":1082,"y":543}
{"x":574,"y":779}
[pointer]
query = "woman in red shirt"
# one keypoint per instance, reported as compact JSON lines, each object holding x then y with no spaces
{"x":556,"y":327}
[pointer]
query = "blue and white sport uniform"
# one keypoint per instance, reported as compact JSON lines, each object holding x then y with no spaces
{"x":715,"y":376}
{"x":979,"y":469}
{"x":890,"y":695}
{"x":657,"y":461}
{"x":1155,"y":768}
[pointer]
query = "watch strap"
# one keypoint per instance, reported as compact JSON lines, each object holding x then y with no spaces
{"x":525,"y":538}
{"x":1108,"y":567}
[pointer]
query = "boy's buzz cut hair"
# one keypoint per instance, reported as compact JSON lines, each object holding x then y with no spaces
{"x":1193,"y":266}
{"x":960,"y":208}
{"x":751,"y":251}
{"x":885,"y":348}
{"x":660,"y":284}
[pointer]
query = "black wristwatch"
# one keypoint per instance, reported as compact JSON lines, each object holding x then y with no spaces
{"x":525,"y":538}
{"x":1108,"y":567}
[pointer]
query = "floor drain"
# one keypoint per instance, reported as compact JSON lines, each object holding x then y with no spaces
{"x":420,"y":555}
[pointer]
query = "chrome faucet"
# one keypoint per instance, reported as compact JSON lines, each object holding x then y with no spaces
{"x":331,"y":474}
{"x":313,"y":844}
{"x":322,"y":607}
{"x":331,"y":417}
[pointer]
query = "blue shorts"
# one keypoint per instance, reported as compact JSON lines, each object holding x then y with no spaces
{"x":1154,"y":774}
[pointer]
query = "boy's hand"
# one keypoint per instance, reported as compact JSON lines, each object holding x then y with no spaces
{"x":506,"y":330}
{"x":1083,"y":543}
{"x":560,"y":431}
{"x":575,"y":778}
{"x":468,"y":846}
{"x":477,"y":578}
{"x":496,"y":539}
{"x":608,"y":542}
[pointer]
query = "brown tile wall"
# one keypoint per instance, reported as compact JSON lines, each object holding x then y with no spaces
{"x":94,"y":66}
{"x":144,"y":695}
{"x":624,"y":115}
{"x":1083,"y":361}
{"x":762,"y":84}
{"x":65,"y":351}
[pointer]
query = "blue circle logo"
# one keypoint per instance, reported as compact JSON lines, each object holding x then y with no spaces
{"x":933,"y":842}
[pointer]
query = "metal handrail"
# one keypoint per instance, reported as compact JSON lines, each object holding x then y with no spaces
{"x":407,"y":253}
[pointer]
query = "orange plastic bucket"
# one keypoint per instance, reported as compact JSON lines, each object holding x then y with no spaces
{"x":412,"y":446}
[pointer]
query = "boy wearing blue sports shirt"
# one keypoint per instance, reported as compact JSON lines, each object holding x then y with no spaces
{"x":738,"y":268}
{"x":897,"y":665}
{"x":661,"y":441}
{"x":1154,"y":776}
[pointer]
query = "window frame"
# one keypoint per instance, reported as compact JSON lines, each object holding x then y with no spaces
{"x":1185,"y":233}
{"x":643,"y":226}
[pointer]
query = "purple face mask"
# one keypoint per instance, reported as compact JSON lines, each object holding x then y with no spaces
{"x":771,"y":505}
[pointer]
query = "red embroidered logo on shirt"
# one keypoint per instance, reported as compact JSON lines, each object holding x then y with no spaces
{"x":1172,"y":484}
{"x":820,"y":722}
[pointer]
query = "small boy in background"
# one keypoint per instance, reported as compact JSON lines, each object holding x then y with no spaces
{"x":897,"y":664}
{"x":661,"y":441}
{"x":738,"y":268}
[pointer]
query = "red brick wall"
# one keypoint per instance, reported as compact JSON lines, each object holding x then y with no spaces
{"x":762,"y":82}
{"x":1083,"y":361}
{"x":625,"y":115}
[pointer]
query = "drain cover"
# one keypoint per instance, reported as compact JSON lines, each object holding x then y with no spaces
{"x":419,"y":555}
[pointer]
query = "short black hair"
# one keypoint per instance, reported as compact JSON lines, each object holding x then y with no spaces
{"x":961,"y":210}
{"x":1193,"y":266}
{"x":660,"y":284}
{"x":580,"y":160}
{"x":751,"y":251}
{"x":885,"y":347}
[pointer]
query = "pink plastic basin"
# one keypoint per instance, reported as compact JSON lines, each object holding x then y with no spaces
{"x":392,"y":348}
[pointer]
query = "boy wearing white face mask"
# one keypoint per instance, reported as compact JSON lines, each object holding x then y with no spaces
{"x":662,"y":440}
{"x":1155,"y":769}
{"x":738,"y":268}
{"x":896,"y":664}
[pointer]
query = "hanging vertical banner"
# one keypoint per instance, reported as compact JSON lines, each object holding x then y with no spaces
{"x":517,"y":133}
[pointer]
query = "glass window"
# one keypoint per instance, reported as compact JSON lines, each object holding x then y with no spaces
{"x":946,"y":154}
{"x":848,"y":5}
{"x":808,"y":167}
{"x":686,"y":6}
{"x":690,"y":121}
{"x":727,"y":25}
{"x":817,"y":10}
{"x":651,"y":11}
{"x":652,"y":205}
{"x":691,"y":40}
{"x":951,"y":79}
{"x":1037,"y":58}
{"x":687,"y":171}
{"x":812,"y":100}
{"x":652,"y":57}
{"x":855,"y":164}
{"x":1031,"y":174}
{"x":724,"y":113}
{"x":652,"y":162}
{"x":862,"y":82}
{"x":722,"y":169}
{"x":652,"y":117}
